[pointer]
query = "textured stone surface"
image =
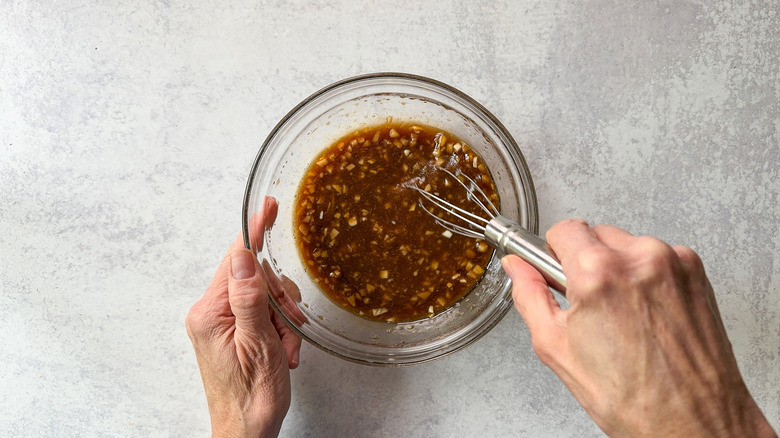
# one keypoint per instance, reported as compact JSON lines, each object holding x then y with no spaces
{"x":127,"y":132}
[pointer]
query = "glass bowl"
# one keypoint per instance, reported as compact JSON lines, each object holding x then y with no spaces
{"x":306,"y":131}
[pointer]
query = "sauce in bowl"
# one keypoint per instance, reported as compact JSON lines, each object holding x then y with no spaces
{"x":365,"y":238}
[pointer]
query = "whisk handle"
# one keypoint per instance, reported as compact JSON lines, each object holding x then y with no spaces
{"x":510,"y":238}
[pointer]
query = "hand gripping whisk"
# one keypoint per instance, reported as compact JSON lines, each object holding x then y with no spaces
{"x":500,"y":232}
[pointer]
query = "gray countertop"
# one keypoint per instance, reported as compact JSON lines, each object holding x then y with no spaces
{"x":127,"y":133}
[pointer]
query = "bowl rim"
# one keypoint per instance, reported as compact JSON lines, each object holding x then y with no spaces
{"x":530,"y":193}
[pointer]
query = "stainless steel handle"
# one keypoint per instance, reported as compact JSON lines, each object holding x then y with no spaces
{"x":510,"y":238}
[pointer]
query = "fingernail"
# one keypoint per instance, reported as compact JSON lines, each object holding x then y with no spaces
{"x":243,"y":264}
{"x":296,"y":358}
{"x":507,"y":266}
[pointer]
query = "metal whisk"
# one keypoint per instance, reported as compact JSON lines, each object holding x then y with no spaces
{"x":501,"y":233}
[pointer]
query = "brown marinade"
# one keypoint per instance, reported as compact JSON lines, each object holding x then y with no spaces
{"x":365,"y":239}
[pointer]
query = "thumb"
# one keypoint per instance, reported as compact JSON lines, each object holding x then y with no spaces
{"x":247,"y":292}
{"x":534,"y":301}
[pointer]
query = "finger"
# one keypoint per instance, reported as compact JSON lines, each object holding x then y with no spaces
{"x":290,"y":339}
{"x":612,"y":236}
{"x":291,"y":342}
{"x":694,"y":268}
{"x":209,"y":312}
{"x":262,"y":221}
{"x":535,"y":303}
{"x":218,"y":284}
{"x":291,"y":289}
{"x":248,"y":293}
{"x":569,"y":237}
{"x":690,"y":261}
{"x":285,"y":294}
{"x":270,"y":210}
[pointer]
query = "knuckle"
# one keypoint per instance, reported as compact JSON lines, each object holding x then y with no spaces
{"x":197,"y":321}
{"x":686,"y":254}
{"x":247,"y":298}
{"x":193,"y":322}
{"x":594,"y":258}
{"x":563,"y":225}
{"x":594,"y":267}
{"x":655,"y":258}
{"x":690,"y":259}
{"x":652,"y":247}
{"x":543,"y":348}
{"x":574,"y":221}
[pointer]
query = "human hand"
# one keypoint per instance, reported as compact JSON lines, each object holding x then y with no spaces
{"x":244,"y":351}
{"x":642,"y":346}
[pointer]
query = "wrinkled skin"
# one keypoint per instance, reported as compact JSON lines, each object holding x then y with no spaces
{"x":244,"y":351}
{"x":642,"y":346}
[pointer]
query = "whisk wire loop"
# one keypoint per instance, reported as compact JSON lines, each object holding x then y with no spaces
{"x":501,"y":233}
{"x":475,"y":224}
{"x":472,"y":190}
